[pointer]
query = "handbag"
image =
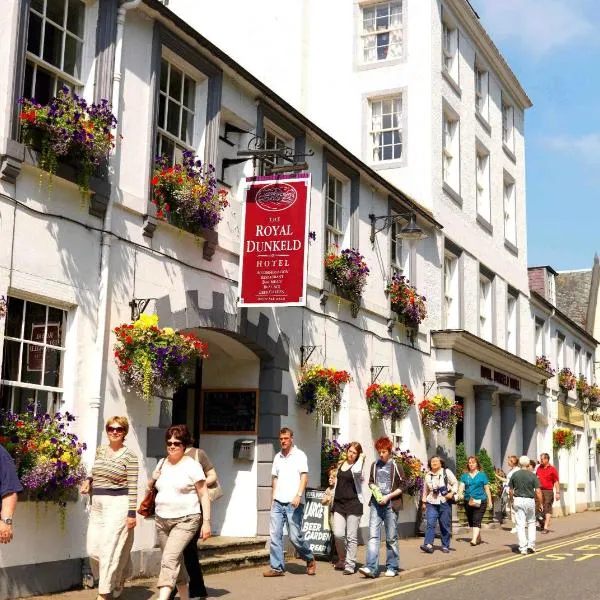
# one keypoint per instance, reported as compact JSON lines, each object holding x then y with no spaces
{"x":215,"y":491}
{"x":148,"y":505}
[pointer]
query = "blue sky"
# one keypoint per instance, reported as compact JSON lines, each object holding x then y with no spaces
{"x":553,"y":46}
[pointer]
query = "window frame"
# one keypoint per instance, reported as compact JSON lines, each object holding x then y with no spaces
{"x":508,"y":124}
{"x":363,"y":34}
{"x":58,"y":74}
{"x":198,"y":79}
{"x":509,"y":201}
{"x":280,"y":140}
{"x":482,"y":182}
{"x":451,"y":150}
{"x":486,"y":307}
{"x":330,"y":426}
{"x":342,"y":184}
{"x":512,"y":322}
{"x":396,"y":96}
{"x":451,"y":291}
{"x":450,"y":49}
{"x":56,"y":393}
{"x":541,"y":351}
{"x":577,"y":362}
{"x":482,"y":80}
{"x":560,"y":350}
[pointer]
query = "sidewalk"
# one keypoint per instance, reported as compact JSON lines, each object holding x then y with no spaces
{"x":249,"y":584}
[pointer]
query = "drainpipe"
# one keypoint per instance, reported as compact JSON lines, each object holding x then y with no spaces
{"x":102,"y":335}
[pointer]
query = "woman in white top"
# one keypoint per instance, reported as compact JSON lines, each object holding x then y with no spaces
{"x":182,"y":505}
{"x":439,"y":493}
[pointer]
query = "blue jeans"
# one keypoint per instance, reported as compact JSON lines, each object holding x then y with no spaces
{"x":286,"y":513}
{"x":438,"y":512}
{"x":383,"y":516}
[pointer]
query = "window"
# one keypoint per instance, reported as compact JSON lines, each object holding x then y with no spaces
{"x":399,"y":258}
{"x":512,"y":302}
{"x":551,"y":285}
{"x":483,"y":184}
{"x":481,"y":92}
{"x":382,"y":31}
{"x":335,"y":232}
{"x":451,"y":292}
{"x":330,"y":425}
{"x":386,"y":129}
{"x":273,"y":141}
{"x":540,"y":346}
{"x":175,"y":112}
{"x":396,"y":432}
{"x":450,"y":50}
{"x":508,"y":125}
{"x":588,"y":367}
{"x":560,"y":351}
{"x":54,"y":47}
{"x":450,"y":151}
{"x":34,"y":346}
{"x":510,"y":211}
{"x":577,"y":366}
{"x":485,"y":307}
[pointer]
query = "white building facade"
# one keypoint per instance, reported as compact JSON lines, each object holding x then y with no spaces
{"x":419,"y":91}
{"x":80,"y":264}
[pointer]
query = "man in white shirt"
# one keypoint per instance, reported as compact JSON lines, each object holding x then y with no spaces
{"x":289,"y":479}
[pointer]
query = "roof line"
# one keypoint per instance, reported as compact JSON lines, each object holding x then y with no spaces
{"x":187,"y":29}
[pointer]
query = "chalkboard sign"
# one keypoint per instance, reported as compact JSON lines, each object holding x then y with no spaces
{"x":229,"y":411}
{"x":315,"y":524}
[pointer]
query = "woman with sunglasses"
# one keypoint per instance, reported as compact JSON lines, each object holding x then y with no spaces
{"x":182,"y":506}
{"x":114,"y":483}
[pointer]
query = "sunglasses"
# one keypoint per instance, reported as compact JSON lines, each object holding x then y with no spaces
{"x":115,"y":430}
{"x":176,"y":444}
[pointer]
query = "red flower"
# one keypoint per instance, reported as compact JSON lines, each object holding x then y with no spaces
{"x":20,"y":424}
{"x":154,"y":180}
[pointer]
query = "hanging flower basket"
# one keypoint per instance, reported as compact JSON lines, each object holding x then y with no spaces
{"x":320,"y":389}
{"x":594,"y":395}
{"x":389,"y":400}
{"x":410,"y":307}
{"x":413,"y":470}
{"x":69,"y":129}
{"x":566,"y":380}
{"x":347,"y":271}
{"x":3,"y":306}
{"x":582,"y":387}
{"x":46,"y":454}
{"x":440,"y":413}
{"x":562,"y":437}
{"x":542,"y":362}
{"x":152,"y":360}
{"x":186,"y":195}
{"x":332,"y":454}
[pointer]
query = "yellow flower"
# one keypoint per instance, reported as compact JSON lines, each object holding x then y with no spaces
{"x":146,"y":321}
{"x":169,"y":331}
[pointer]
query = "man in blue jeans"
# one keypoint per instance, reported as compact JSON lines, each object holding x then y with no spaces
{"x":289,"y":479}
{"x":386,"y":481}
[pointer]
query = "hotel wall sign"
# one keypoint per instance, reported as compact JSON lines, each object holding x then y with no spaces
{"x":499,"y":377}
{"x":274,"y":252}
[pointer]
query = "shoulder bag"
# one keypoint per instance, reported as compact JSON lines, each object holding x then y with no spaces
{"x":148,"y":505}
{"x":215,"y":491}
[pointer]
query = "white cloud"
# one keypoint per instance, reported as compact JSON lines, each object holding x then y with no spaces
{"x":539,"y":26}
{"x":585,"y":147}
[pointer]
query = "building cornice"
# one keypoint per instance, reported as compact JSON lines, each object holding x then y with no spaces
{"x":490,"y":51}
{"x":469,"y":344}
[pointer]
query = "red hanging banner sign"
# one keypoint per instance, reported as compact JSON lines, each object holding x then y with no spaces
{"x":274,"y":252}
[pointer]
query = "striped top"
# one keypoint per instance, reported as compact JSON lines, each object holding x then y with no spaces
{"x":117,"y":472}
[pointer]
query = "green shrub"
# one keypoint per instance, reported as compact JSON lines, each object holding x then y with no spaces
{"x":461,"y":459}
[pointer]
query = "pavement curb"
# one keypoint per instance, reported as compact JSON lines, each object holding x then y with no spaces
{"x":424,"y":571}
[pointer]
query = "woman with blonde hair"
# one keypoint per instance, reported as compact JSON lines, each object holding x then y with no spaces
{"x":113,"y":486}
{"x":347,"y":507}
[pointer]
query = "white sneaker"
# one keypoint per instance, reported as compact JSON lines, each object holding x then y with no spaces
{"x":513,"y":530}
{"x":390,"y":573}
{"x":366,"y":572}
{"x":524,"y":552}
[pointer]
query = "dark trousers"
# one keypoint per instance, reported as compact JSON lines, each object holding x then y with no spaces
{"x":192,"y":565}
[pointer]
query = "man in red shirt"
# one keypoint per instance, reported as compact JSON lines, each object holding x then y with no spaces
{"x":549,"y":485}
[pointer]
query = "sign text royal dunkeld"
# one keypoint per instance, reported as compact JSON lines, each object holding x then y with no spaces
{"x":275,"y":241}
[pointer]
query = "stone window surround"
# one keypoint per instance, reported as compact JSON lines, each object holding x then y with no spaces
{"x":163,"y":37}
{"x":491,"y":277}
{"x":451,"y":248}
{"x":13,"y":153}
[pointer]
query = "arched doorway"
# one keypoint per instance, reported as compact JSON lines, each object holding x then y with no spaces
{"x":244,"y":354}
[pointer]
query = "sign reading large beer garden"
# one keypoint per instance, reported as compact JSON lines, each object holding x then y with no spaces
{"x":274,"y":253}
